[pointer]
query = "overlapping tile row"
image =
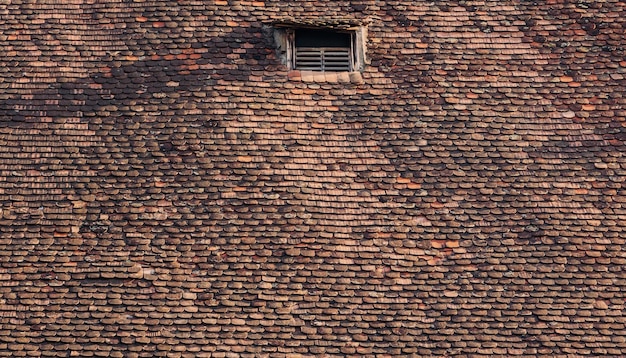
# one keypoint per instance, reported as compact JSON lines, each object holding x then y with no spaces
{"x":168,"y":188}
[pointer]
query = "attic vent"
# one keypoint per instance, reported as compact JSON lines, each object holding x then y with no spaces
{"x":321,"y":50}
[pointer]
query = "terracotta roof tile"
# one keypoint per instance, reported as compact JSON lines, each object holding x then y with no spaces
{"x":169,"y":188}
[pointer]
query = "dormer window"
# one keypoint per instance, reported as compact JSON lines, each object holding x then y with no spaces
{"x":321,"y":49}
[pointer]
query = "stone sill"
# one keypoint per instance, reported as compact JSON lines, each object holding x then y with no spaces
{"x":326,"y":77}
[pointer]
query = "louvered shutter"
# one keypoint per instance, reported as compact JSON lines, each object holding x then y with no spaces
{"x":323,"y":58}
{"x":336,"y":59}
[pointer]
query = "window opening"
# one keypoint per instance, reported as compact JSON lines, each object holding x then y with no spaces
{"x":321,"y":50}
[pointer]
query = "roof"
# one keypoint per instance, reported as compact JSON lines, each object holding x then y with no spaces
{"x":169,"y":188}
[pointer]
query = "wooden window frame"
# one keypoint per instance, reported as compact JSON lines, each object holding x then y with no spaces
{"x":285,"y":37}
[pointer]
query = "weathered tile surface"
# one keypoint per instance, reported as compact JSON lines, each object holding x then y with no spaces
{"x":168,"y":188}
